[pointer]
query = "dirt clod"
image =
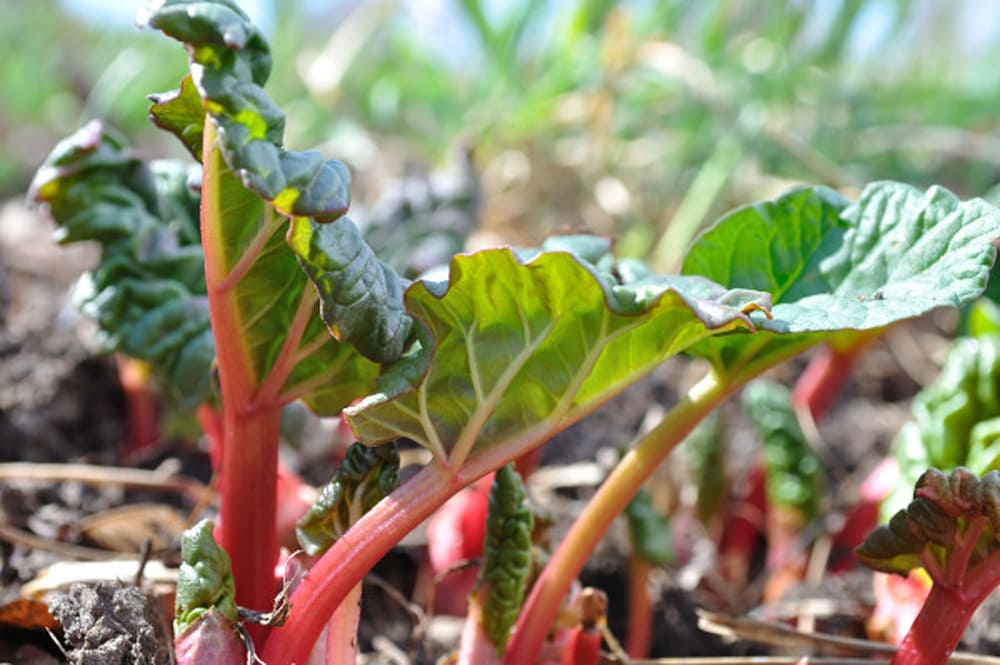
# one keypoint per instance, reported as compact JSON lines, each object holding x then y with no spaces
{"x":110,"y":624}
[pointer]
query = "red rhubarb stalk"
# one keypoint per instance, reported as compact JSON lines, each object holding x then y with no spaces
{"x":353,"y":555}
{"x":639,"y":635}
{"x":583,"y":645}
{"x":143,"y":405}
{"x":250,"y":433}
{"x":824,"y":377}
{"x":937,"y":629}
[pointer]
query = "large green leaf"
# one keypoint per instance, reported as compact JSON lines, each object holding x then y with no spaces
{"x":511,"y":346}
{"x":832,"y":267}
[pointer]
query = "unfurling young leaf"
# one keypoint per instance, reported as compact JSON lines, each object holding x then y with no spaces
{"x":363,"y":479}
{"x":951,"y":529}
{"x":503,"y":576}
{"x":204,"y":580}
{"x":956,"y":419}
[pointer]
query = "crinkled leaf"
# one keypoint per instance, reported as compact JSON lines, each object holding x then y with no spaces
{"x":514,"y":350}
{"x":649,"y":530}
{"x":894,"y":254}
{"x":268,"y":297}
{"x":148,"y":292}
{"x":794,"y":472}
{"x":182,"y":114}
{"x":943,"y":504}
{"x":230,"y":61}
{"x":204,"y":580}
{"x":364,"y":478}
{"x":506,"y":555}
{"x":349,"y":279}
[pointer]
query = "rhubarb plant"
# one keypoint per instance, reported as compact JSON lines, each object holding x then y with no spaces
{"x":484,"y":366}
{"x":951,"y":529}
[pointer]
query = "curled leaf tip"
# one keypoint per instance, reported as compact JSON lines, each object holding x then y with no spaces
{"x":944,"y":506}
{"x":364,"y":478}
{"x":231,"y":60}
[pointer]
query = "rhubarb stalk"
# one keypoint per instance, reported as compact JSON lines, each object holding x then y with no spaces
{"x":950,"y":529}
{"x":611,"y":499}
{"x":250,"y":432}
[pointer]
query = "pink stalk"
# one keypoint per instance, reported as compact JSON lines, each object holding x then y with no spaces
{"x":455,"y":534}
{"x":475,"y":647}
{"x":937,"y":629}
{"x":550,"y":589}
{"x":342,"y":631}
{"x":824,"y":377}
{"x":211,"y":639}
{"x":353,"y":555}
{"x":956,"y":593}
{"x":250,"y":432}
{"x":639,"y":635}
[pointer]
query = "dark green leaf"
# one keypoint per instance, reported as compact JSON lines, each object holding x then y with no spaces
{"x":364,"y":478}
{"x":230,"y":62}
{"x":350,"y":279}
{"x":794,"y":473}
{"x":148,"y":292}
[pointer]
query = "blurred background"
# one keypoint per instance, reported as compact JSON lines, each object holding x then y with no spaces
{"x":641,"y":119}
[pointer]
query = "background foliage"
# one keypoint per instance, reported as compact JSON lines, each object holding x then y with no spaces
{"x":627,"y":118}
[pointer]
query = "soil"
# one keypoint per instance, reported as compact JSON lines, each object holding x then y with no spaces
{"x":61,"y":402}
